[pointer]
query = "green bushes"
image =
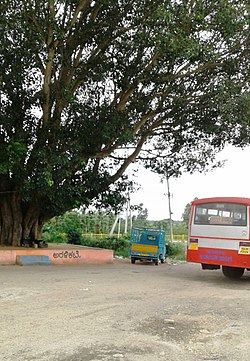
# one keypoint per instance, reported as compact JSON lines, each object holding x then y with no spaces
{"x":120,"y":246}
{"x":54,"y":237}
{"x":101,"y":223}
{"x":176,"y":250}
{"x":74,"y":237}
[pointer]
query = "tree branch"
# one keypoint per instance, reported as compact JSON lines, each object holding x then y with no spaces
{"x":129,"y":159}
{"x":83,"y":4}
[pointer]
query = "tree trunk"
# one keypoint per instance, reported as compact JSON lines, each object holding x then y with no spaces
{"x":10,"y":220}
{"x":30,"y":220}
{"x":17,"y":224}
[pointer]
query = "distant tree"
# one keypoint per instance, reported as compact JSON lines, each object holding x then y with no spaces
{"x":162,"y":224}
{"x":95,"y":222}
{"x":142,"y":212}
{"x":186,"y":214}
{"x":179,"y":228}
{"x":140,"y":218}
{"x":70,"y":221}
{"x":88,"y":87}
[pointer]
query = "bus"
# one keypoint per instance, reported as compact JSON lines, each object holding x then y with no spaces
{"x":219,"y":234}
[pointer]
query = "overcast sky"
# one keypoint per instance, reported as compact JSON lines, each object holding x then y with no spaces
{"x":233,"y":180}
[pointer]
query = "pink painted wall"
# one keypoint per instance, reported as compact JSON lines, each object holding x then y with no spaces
{"x":59,"y":256}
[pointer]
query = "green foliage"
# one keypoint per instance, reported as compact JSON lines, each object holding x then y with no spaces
{"x":123,"y":252}
{"x":54,"y":237}
{"x":114,"y":243}
{"x":176,"y":250}
{"x":62,"y":229}
{"x":143,"y":212}
{"x":70,"y":221}
{"x":186,"y":215}
{"x":74,"y":237}
{"x":101,"y":223}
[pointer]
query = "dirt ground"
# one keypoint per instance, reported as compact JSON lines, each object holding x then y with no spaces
{"x":121,"y":311}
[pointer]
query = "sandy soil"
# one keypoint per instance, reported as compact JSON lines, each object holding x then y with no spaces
{"x":124,"y":312}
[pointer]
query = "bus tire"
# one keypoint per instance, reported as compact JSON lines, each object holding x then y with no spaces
{"x":133,"y":260}
{"x":232,"y":272}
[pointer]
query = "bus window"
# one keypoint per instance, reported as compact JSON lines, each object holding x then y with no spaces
{"x":221,"y":214}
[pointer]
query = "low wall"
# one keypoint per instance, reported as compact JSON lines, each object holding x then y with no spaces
{"x":58,"y":255}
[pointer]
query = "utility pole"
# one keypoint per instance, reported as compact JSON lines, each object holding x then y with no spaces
{"x":126,"y":213}
{"x":114,"y":225}
{"x":119,"y":227}
{"x":170,"y":212}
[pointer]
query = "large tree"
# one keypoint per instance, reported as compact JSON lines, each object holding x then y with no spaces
{"x":89,"y":86}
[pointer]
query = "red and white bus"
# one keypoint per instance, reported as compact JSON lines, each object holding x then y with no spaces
{"x":219,"y":234}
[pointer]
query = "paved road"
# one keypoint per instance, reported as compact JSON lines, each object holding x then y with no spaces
{"x":124,"y":312}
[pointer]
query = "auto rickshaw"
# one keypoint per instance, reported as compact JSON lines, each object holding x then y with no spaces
{"x":147,"y":244}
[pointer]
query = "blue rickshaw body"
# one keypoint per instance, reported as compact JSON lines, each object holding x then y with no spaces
{"x":147,"y":244}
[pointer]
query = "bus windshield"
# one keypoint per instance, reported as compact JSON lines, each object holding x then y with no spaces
{"x":221,"y":214}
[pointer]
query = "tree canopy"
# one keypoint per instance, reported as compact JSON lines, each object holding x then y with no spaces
{"x":88,"y":87}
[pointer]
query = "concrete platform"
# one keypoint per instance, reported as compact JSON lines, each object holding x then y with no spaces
{"x":58,"y":254}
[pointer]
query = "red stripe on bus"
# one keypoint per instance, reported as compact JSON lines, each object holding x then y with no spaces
{"x":219,"y":256}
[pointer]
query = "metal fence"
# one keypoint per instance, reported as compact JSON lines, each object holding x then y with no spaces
{"x":176,"y":237}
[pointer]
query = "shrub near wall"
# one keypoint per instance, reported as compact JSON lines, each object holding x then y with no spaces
{"x":119,"y":245}
{"x":54,"y":237}
{"x":176,"y":250}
